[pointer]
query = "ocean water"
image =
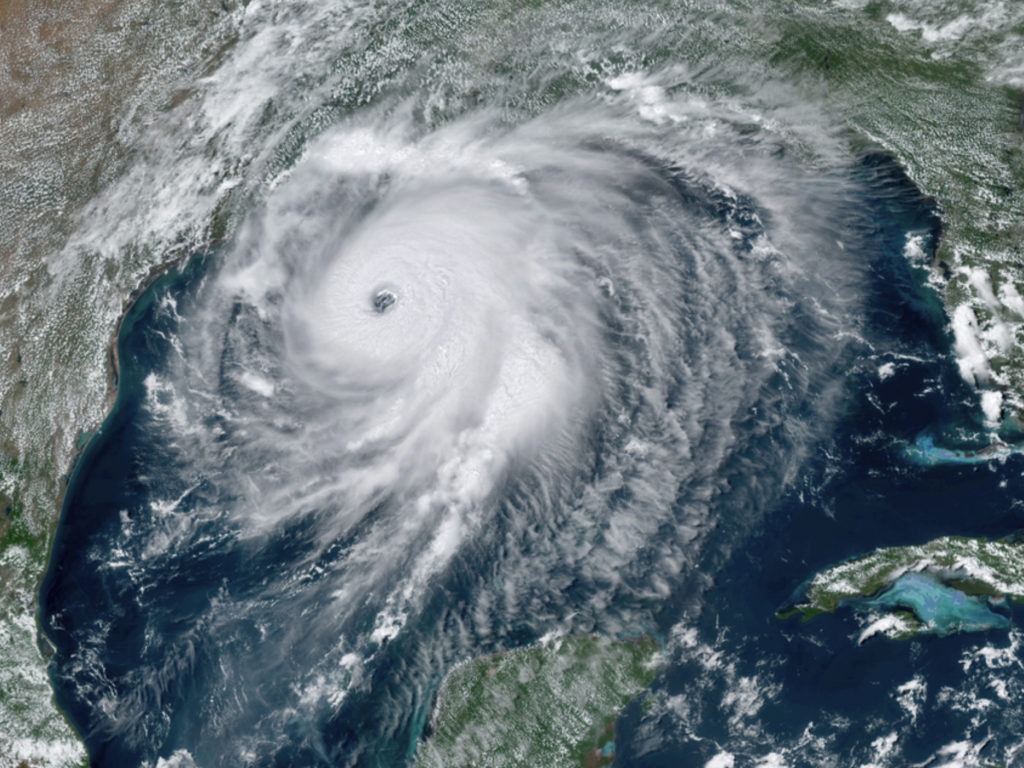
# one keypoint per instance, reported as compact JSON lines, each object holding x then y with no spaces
{"x":305,"y":508}
{"x":475,"y":351}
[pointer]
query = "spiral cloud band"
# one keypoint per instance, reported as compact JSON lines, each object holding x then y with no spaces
{"x":496,"y":380}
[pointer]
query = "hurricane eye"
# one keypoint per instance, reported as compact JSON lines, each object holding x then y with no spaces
{"x":384,"y":300}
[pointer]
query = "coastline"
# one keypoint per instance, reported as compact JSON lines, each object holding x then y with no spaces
{"x":113,"y":376}
{"x":83,"y":444}
{"x":57,"y":108}
{"x":155,"y":274}
{"x":46,"y":458}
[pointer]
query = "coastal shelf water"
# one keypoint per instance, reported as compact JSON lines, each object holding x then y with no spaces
{"x":191,"y":544}
{"x":546,"y":344}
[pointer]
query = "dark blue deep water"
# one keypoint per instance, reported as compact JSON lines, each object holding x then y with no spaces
{"x":145,"y":642}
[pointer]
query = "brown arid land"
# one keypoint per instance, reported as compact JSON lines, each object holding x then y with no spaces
{"x":79,"y":83}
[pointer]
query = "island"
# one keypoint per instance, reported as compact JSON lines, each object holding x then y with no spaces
{"x":119,"y":158}
{"x":948,"y":585}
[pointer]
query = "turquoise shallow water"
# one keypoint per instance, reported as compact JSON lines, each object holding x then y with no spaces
{"x":627,"y":380}
{"x":941,"y":608}
{"x":182,"y":631}
{"x":925,"y":451}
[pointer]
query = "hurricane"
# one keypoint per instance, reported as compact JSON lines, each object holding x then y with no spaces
{"x":462,"y":370}
{"x":529,"y":346}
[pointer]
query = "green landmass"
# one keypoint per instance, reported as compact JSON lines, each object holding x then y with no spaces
{"x":937,"y":85}
{"x":85,"y":87}
{"x":73,"y":79}
{"x":553,"y":705}
{"x":973,"y":566}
